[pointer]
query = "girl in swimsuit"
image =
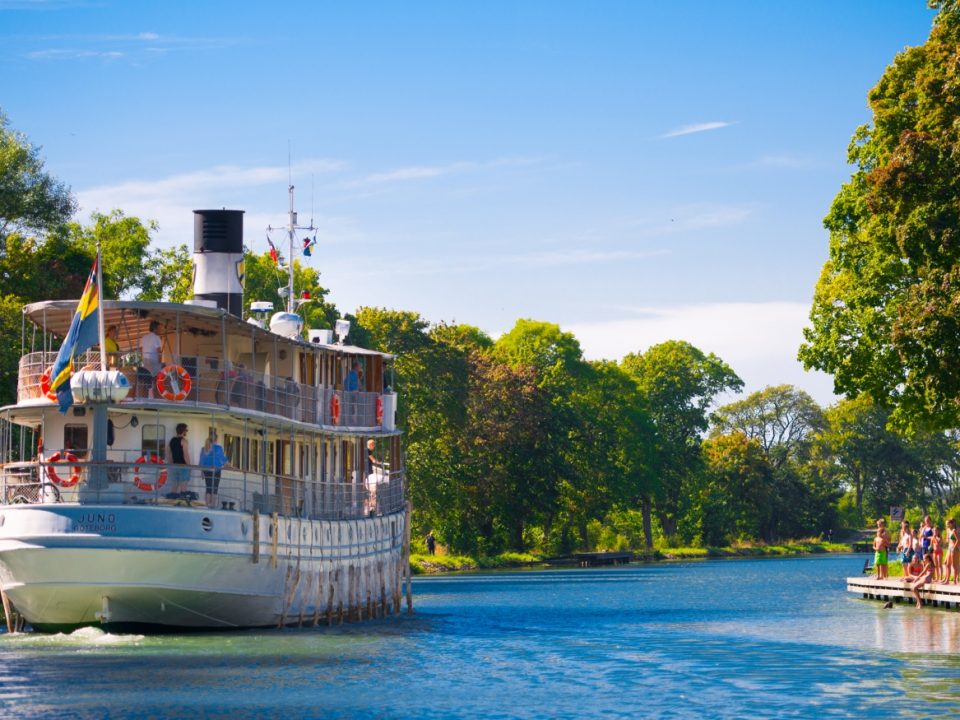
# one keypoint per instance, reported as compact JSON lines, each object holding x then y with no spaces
{"x":918,"y":581}
{"x":926,"y":533}
{"x":936,"y":551}
{"x":952,"y":560}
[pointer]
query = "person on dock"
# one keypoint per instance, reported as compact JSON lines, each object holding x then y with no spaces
{"x":936,"y":552}
{"x":881,"y":542}
{"x":922,"y":578}
{"x":905,"y":545}
{"x":926,"y":534}
{"x":951,"y":560}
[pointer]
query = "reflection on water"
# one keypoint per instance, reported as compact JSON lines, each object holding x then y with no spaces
{"x":769,"y":638}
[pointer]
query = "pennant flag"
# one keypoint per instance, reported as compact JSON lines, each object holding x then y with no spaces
{"x":273,"y":251}
{"x":83,"y":334}
{"x":307,"y":244}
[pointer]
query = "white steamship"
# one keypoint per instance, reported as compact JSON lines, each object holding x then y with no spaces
{"x":308,"y":523}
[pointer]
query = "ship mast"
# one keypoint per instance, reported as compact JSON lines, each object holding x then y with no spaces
{"x":292,"y":228}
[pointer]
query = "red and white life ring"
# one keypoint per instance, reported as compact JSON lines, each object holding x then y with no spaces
{"x":335,"y":409}
{"x":174,"y":383}
{"x":45,"y":381}
{"x":379,"y":410}
{"x":143,"y":484}
{"x":74,"y":471}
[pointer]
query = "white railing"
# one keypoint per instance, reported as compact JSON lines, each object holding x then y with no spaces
{"x":160,"y":484}
{"x":235,"y":388}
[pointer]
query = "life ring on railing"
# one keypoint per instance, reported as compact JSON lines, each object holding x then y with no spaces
{"x":142,"y":484}
{"x":74,"y":474}
{"x":379,"y":410}
{"x":45,"y":381}
{"x":335,"y":409}
{"x":174,"y":383}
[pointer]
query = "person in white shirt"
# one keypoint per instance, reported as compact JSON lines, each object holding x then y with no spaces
{"x":150,"y":347}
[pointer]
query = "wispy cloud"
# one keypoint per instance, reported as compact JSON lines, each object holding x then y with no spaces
{"x":696,"y":128}
{"x":424,"y":172}
{"x":111,"y":46}
{"x":171,"y":200}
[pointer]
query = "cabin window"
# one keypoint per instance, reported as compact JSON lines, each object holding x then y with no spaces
{"x":75,"y":437}
{"x":153,"y":441}
{"x":270,"y":458}
{"x":231,"y":446}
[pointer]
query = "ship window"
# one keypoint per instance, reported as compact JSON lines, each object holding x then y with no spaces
{"x":75,"y":437}
{"x":231,"y":446}
{"x":153,"y":441}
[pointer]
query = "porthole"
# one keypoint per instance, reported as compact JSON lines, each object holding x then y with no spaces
{"x":270,"y":530}
{"x":3,"y":519}
{"x":206,"y":524}
{"x":243,"y":528}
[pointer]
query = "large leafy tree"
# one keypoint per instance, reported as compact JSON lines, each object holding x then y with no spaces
{"x":679,"y":383}
{"x":31,"y":200}
{"x":885,"y":316}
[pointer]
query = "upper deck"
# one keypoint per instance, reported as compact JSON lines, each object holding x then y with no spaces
{"x":231,"y":364}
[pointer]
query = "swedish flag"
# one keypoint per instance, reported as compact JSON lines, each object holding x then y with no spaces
{"x":84,"y":333}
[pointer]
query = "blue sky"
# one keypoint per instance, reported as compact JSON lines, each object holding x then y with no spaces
{"x":633,"y":171}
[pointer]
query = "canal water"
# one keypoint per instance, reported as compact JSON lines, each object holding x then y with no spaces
{"x":721,"y":639}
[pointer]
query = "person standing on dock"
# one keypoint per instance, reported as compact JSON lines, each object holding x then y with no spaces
{"x":951,"y":561}
{"x":881,"y":542}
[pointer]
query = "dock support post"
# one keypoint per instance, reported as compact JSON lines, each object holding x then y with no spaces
{"x":8,"y":612}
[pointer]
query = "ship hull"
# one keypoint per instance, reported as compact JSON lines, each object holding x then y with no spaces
{"x":66,"y":566}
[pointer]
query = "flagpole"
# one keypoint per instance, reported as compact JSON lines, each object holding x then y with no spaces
{"x":100,"y":322}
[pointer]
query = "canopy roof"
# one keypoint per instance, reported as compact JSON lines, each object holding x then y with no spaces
{"x":134,"y":318}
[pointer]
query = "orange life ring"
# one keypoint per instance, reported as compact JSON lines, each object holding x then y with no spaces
{"x":74,"y":473}
{"x":45,"y":380}
{"x":379,"y":410}
{"x":174,"y":383}
{"x":142,"y":484}
{"x":335,"y":409}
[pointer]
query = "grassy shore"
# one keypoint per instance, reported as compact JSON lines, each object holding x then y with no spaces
{"x":427,"y":564}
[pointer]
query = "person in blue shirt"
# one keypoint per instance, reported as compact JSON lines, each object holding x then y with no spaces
{"x":213,"y":457}
{"x":352,"y":382}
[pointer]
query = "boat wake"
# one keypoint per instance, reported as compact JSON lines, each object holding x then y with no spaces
{"x":85,"y":636}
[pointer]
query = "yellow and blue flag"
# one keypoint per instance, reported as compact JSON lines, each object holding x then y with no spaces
{"x":83,"y":334}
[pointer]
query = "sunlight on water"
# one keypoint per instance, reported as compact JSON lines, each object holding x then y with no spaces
{"x":724,"y":639}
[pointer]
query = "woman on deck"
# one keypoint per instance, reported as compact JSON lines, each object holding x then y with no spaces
{"x":918,"y":581}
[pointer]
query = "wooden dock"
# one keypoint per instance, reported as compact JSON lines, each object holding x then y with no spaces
{"x":590,"y":559}
{"x":897,"y":589}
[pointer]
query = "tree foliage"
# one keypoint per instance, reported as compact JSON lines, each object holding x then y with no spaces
{"x":31,"y":200}
{"x":885,"y":316}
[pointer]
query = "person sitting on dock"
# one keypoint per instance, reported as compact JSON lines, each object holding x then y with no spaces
{"x":922,"y":578}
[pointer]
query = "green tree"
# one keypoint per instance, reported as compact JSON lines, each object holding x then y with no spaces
{"x":263,"y":280}
{"x":735,"y":499}
{"x":678,"y":382}
{"x":31,"y":200}
{"x":885,"y":319}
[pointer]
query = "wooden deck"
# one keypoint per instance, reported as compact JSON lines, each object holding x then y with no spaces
{"x":896,"y":589}
{"x":590,"y":559}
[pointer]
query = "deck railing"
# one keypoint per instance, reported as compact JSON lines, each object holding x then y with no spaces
{"x":111,"y":483}
{"x":234,"y":388}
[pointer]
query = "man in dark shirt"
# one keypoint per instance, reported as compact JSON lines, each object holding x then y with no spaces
{"x":180,"y":455}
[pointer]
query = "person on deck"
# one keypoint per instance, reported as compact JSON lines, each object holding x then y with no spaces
{"x":151,"y":347}
{"x":180,"y":457}
{"x":214,"y":458}
{"x":374,"y":476}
